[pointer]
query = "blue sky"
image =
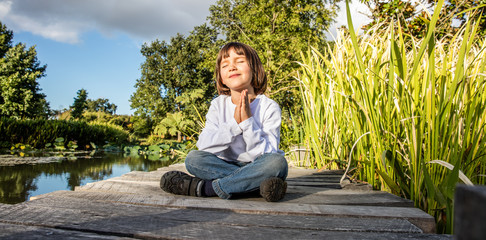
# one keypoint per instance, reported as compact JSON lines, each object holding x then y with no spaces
{"x":95,"y":45}
{"x":105,"y":67}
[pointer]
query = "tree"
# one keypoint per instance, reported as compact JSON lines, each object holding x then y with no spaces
{"x":6,"y":38}
{"x":80,"y":104}
{"x":20,"y":95}
{"x":172,"y":69}
{"x":279,"y":31}
{"x":100,"y":105}
{"x":142,"y":126}
{"x":460,"y":6}
{"x":414,"y":19}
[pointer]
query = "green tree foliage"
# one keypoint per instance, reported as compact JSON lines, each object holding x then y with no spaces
{"x":181,"y":123}
{"x":20,"y":69}
{"x":174,"y":124}
{"x":80,"y":104}
{"x":172,"y":69}
{"x":414,"y":19}
{"x":459,"y":9}
{"x":6,"y":38}
{"x":100,"y":105}
{"x":142,"y":126}
{"x":91,"y":110}
{"x":279,"y":31}
{"x":124,"y":121}
{"x":174,"y":72}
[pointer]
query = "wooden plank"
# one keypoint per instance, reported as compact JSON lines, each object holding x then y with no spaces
{"x":322,"y":184}
{"x":417,"y":216}
{"x":295,"y":194}
{"x":160,"y":229}
{"x":147,"y":221}
{"x":345,"y":197}
{"x":18,"y":231}
{"x":330,"y":179}
{"x":311,"y":192}
{"x":75,"y":212}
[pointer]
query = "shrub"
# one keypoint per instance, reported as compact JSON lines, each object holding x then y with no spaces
{"x":38,"y":133}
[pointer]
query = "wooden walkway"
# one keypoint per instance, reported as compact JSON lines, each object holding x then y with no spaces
{"x":133,"y":207}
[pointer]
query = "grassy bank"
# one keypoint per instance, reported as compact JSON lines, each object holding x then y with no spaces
{"x":39,"y":133}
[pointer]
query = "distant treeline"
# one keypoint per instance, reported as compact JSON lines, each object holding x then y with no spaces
{"x":38,"y":133}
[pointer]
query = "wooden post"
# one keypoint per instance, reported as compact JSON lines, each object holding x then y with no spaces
{"x":470,"y":212}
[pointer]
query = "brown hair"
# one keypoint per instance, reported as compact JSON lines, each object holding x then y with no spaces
{"x":259,"y":78}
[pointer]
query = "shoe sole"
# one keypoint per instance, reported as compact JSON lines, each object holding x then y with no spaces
{"x":188,"y":187}
{"x":165,"y":180}
{"x":273,"y":189}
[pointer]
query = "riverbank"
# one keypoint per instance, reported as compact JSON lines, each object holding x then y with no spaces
{"x":12,"y":160}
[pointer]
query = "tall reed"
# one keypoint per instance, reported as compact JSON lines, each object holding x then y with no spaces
{"x":408,"y":117}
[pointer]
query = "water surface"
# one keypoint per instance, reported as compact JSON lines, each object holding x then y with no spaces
{"x":19,"y":183}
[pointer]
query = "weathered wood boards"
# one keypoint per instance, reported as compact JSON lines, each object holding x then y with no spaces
{"x":133,"y":206}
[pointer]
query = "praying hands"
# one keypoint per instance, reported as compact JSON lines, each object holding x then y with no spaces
{"x":242,"y":110}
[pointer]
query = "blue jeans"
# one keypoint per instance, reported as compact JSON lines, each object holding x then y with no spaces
{"x":235,"y":177}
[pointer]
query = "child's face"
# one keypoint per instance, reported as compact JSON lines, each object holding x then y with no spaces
{"x":235,"y":72}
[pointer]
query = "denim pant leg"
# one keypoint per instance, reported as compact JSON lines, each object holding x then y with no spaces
{"x":231,"y":178}
{"x":208,"y":166}
{"x":249,"y":177}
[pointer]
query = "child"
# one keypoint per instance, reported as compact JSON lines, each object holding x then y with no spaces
{"x":238,"y":147}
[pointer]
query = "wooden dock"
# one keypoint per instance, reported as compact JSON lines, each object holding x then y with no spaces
{"x":134,"y":207}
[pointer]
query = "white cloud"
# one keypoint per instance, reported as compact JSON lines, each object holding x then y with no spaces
{"x":5,"y":8}
{"x":67,"y":20}
{"x":145,"y":20}
{"x":62,"y":31}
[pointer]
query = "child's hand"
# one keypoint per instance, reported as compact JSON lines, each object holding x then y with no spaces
{"x":245,"y":106}
{"x":242,"y":111}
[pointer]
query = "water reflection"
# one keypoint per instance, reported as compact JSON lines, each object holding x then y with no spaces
{"x":18,"y":183}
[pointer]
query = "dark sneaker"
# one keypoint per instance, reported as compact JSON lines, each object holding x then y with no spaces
{"x":273,"y":189}
{"x":181,"y":183}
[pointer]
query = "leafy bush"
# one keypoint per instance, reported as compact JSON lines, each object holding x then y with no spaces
{"x":163,"y":151}
{"x":39,"y":133}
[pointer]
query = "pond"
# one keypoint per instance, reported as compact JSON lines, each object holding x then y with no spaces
{"x":20,"y":182}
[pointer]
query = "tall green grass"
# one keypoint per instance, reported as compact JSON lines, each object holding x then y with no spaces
{"x":408,"y":117}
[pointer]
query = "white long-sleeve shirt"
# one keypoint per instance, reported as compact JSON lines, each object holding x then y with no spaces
{"x":246,"y":141}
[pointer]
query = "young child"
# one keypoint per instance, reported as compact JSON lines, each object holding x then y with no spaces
{"x":238,"y":147}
